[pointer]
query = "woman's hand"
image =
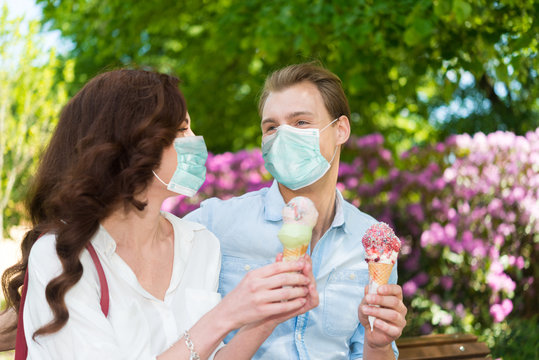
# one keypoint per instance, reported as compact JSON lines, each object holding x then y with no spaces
{"x":390,"y":316}
{"x":312,"y":299}
{"x":273,"y":291}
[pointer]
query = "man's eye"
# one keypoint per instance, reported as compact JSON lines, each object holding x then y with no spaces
{"x":301,"y":123}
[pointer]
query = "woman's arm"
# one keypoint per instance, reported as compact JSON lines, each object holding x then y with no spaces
{"x":247,"y":341}
{"x":7,"y":340}
{"x":264,"y":294}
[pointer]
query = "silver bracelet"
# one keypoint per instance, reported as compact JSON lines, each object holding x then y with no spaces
{"x":190,"y":346}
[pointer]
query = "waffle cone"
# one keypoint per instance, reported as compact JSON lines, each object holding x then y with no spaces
{"x":380,"y":272}
{"x":294,"y":254}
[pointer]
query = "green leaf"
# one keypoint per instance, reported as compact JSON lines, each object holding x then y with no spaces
{"x":462,"y":10}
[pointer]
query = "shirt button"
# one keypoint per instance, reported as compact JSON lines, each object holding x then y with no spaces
{"x":352,"y":276}
{"x":247,"y":267}
{"x":299,"y":337}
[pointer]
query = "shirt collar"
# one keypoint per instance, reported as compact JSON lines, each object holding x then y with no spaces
{"x":339,"y":219}
{"x":103,"y":242}
{"x":274,"y":203}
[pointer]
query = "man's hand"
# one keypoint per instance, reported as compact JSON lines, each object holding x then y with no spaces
{"x":312,"y":299}
{"x":390,"y":316}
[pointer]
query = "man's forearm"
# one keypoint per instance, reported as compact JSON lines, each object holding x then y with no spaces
{"x":378,"y":353}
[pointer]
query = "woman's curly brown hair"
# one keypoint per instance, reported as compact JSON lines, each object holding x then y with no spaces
{"x":109,"y":138}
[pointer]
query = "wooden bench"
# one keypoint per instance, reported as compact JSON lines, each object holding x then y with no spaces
{"x":440,"y":346}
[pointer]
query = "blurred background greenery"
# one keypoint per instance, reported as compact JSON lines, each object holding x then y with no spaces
{"x":414,"y":71}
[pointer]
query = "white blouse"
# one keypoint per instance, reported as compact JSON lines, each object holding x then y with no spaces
{"x":139,"y":326}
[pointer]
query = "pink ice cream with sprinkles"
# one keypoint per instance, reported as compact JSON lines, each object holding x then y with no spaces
{"x":381,"y":244}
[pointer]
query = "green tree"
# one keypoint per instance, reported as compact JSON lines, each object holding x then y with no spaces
{"x":403,"y":62}
{"x":30,"y":101}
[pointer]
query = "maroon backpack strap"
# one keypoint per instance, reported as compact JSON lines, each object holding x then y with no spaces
{"x":21,"y":348}
{"x":102,"y":280}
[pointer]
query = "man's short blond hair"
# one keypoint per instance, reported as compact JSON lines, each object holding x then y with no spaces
{"x":329,"y":85}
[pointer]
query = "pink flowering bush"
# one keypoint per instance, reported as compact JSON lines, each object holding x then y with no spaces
{"x":466,"y":209}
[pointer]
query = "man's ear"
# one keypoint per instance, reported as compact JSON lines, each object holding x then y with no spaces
{"x":343,"y":130}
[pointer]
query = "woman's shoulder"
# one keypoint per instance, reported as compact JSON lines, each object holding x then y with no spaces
{"x":44,"y":263}
{"x":43,"y":257}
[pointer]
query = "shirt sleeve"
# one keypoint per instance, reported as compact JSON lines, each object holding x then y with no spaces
{"x":203,"y":215}
{"x":202,"y":301}
{"x":357,"y":340}
{"x":87,"y":333}
{"x":195,"y":216}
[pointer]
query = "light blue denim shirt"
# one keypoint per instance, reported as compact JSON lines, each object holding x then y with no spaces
{"x":247,"y":228}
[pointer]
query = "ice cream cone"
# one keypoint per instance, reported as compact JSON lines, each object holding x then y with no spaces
{"x":379,"y":272}
{"x":378,"y":275}
{"x":294,"y":254}
{"x":382,"y":247}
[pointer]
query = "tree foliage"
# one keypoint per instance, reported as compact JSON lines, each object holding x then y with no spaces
{"x":30,"y":101}
{"x":403,"y":62}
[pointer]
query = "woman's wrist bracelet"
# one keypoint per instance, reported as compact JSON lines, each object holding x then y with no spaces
{"x":190,"y":346}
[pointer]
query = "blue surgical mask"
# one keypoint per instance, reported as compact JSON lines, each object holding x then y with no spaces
{"x":191,"y":171}
{"x":292,"y":156}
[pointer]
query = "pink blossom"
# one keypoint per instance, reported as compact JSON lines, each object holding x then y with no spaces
{"x":496,"y":267}
{"x":500,"y":311}
{"x":446,"y":319}
{"x":520,"y":263}
{"x":464,"y":208}
{"x":494,"y":253}
{"x":460,"y":311}
{"x":409,"y":288}
{"x":450,"y":231}
{"x":440,"y":147}
{"x":446,"y":282}
{"x":421,"y":279}
{"x":498,"y":240}
{"x":385,"y":155}
{"x":436,"y":299}
{"x":412,"y":261}
{"x":497,"y":313}
{"x":416,"y":211}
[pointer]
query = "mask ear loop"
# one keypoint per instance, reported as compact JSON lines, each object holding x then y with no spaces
{"x":158,"y":178}
{"x":335,"y":152}
{"x":325,"y":127}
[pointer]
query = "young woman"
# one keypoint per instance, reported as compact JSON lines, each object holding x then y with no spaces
{"x":122,"y":146}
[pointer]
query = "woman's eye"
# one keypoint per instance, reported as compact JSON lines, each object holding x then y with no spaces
{"x":183,"y":129}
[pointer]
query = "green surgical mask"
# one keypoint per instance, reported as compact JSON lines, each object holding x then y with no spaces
{"x":191,"y":171}
{"x":292,"y":156}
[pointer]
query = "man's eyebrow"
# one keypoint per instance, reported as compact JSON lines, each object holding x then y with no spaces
{"x":289,"y":116}
{"x":298,"y":113}
{"x":267,"y":120}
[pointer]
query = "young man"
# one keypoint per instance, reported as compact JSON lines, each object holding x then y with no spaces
{"x":305,"y":120}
